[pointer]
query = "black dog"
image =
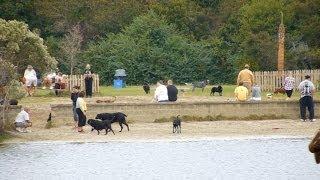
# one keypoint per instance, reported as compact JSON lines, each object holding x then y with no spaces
{"x":100,"y":125}
{"x":146,"y":88}
{"x":201,"y":84}
{"x":176,"y":125}
{"x":217,"y":89}
{"x":114,"y":117}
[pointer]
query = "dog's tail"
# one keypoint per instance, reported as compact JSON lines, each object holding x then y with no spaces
{"x":123,"y":114}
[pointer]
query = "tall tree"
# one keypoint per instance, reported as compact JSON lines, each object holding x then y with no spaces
{"x":20,"y":46}
{"x":71,"y":46}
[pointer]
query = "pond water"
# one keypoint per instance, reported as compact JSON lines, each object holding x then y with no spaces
{"x":277,"y":158}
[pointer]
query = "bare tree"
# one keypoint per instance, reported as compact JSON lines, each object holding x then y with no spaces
{"x":71,"y":46}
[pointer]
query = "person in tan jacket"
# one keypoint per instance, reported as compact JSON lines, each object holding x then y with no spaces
{"x":246,"y":76}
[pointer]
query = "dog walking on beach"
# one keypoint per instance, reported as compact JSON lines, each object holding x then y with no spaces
{"x":176,"y":125}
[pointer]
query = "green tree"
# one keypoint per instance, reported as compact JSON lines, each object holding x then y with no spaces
{"x":187,"y":16}
{"x":20,"y":46}
{"x":150,"y":49}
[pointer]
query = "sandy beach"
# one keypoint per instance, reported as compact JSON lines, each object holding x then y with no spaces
{"x":163,"y":131}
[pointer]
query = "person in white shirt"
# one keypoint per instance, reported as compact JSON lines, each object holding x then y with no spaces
{"x":289,"y":83}
{"x":161,"y":93}
{"x":81,"y":109}
{"x":307,"y":89}
{"x":30,"y":76}
{"x":22,"y":121}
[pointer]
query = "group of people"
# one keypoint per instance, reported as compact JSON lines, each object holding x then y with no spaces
{"x":55,"y":80}
{"x":79,"y":108}
{"x":166,"y":93}
{"x":306,"y":88}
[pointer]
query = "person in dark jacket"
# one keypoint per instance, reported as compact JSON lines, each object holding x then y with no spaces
{"x":74,"y":97}
{"x":172,"y":91}
{"x":88,"y":78}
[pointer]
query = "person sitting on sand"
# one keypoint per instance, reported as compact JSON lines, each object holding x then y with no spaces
{"x":241,"y":93}
{"x":81,"y":109}
{"x":22,"y":121}
{"x":161,"y":93}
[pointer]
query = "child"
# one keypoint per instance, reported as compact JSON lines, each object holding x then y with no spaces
{"x":74,"y":97}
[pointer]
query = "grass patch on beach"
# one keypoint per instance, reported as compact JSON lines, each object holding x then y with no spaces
{"x":4,"y":136}
{"x":251,"y":117}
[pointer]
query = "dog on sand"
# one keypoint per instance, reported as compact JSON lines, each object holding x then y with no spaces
{"x":176,"y":125}
{"x":217,"y":89}
{"x":100,"y":125}
{"x":114,"y":117}
{"x":146,"y":88}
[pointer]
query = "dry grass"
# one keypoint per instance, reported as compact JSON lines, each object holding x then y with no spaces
{"x":251,"y":117}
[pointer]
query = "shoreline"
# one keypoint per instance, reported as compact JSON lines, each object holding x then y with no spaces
{"x":162,"y":132}
{"x":221,"y":138}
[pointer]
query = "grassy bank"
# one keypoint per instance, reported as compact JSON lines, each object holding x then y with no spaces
{"x":220,"y":118}
{"x":4,"y":136}
{"x":47,"y":96}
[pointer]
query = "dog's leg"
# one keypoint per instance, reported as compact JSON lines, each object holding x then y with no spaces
{"x":98,"y":132}
{"x":120,"y":123}
{"x":106,"y":130}
{"x":173,"y":129}
{"x":112,"y":130}
{"x":92,"y":129}
{"x":125,"y":123}
{"x":180,"y":129}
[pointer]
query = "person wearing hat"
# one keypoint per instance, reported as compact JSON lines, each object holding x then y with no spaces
{"x":307,"y":89}
{"x":246,"y":77}
{"x":88,"y":78}
{"x":31,"y":79}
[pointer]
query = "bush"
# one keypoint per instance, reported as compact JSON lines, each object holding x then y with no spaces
{"x":150,"y":49}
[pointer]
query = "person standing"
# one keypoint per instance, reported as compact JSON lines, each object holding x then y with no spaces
{"x":241,"y":93}
{"x":172,"y":91}
{"x":246,"y":77}
{"x":30,"y":76}
{"x":74,"y":97}
{"x":289,"y":82}
{"x":88,"y":78}
{"x":161,"y":93}
{"x":58,"y":83}
{"x":22,"y":121}
{"x":81,"y":109}
{"x":307,"y":90}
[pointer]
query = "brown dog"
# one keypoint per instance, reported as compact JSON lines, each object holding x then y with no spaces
{"x":279,"y":90}
{"x":314,"y":147}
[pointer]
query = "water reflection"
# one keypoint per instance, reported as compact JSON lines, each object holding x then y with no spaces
{"x":214,"y":159}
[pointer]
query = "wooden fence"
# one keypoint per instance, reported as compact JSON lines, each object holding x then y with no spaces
{"x":78,"y":80}
{"x":269,"y":80}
